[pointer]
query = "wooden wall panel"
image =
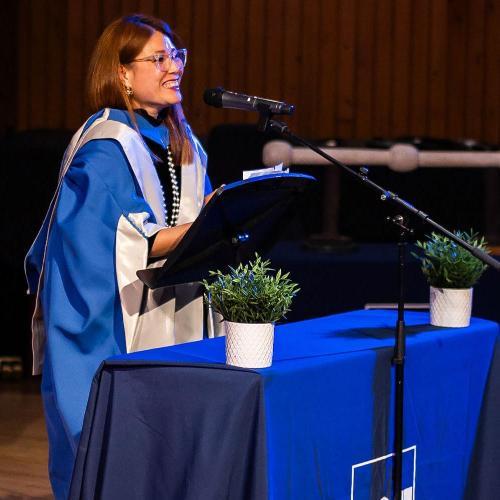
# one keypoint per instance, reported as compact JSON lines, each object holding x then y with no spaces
{"x":401,"y":67}
{"x":147,"y":6}
{"x":383,"y":66}
{"x":218,"y":55}
{"x":293,"y":61}
{"x":129,"y":6}
{"x":181,"y":23}
{"x":22,"y":84}
{"x":307,"y":72}
{"x":236,"y":54}
{"x":57,"y":58}
{"x":198,"y":71}
{"x":327,"y":68}
{"x":38,"y":83}
{"x":436,"y":116}
{"x":353,"y":68}
{"x":345,"y":75}
{"x":365,"y":67}
{"x":110,"y":10}
{"x":255,"y":51}
{"x":419,"y":70}
{"x":9,"y":54}
{"x":456,"y":53}
{"x":165,"y":9}
{"x":474,"y":72}
{"x":491,"y":115}
{"x":74,"y":62}
{"x":271,"y":51}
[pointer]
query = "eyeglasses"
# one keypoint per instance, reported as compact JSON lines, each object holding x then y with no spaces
{"x":164,"y":60}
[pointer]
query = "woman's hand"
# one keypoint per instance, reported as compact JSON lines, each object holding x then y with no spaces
{"x":166,"y":240}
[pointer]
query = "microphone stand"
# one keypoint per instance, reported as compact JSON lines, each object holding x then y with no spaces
{"x":398,"y":359}
{"x":266,"y":123}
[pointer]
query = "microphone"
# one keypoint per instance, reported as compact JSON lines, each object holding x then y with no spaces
{"x":221,"y":98}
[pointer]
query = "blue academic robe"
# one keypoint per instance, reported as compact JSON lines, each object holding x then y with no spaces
{"x":83,"y":264}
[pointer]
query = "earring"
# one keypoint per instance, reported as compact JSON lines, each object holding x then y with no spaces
{"x":129,"y":91}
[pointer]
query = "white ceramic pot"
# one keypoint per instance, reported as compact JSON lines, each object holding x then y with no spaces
{"x":249,"y":345}
{"x":450,"y":306}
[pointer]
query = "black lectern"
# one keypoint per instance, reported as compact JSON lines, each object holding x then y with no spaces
{"x":241,"y":218}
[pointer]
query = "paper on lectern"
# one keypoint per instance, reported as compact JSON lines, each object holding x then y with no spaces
{"x":248,"y":174}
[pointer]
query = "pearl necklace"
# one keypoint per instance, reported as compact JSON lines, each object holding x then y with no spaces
{"x":176,"y":199}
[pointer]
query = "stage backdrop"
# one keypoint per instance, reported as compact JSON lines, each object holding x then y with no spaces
{"x":353,"y":68}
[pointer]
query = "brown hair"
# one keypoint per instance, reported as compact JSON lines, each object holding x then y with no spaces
{"x":119,"y":44}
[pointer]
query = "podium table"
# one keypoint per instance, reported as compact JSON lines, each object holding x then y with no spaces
{"x":176,"y":423}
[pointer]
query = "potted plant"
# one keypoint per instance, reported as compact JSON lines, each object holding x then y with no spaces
{"x":451,"y":272}
{"x":250,"y":298}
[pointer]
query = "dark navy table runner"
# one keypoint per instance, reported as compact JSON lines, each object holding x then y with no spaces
{"x":176,"y":423}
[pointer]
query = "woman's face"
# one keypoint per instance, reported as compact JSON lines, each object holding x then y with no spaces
{"x":154,"y":89}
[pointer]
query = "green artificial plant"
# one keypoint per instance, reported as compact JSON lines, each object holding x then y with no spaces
{"x":447,"y":265}
{"x":250,"y":293}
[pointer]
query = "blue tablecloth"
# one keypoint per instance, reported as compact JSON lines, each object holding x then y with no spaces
{"x":177,"y":423}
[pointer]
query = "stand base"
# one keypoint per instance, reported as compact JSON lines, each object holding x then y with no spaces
{"x":328,"y":243}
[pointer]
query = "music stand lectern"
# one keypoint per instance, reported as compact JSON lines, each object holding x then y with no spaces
{"x":240,"y":219}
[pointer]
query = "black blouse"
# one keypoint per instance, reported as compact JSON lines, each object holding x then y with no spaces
{"x":161,"y":164}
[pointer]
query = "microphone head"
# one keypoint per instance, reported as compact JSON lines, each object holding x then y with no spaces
{"x":213,"y":97}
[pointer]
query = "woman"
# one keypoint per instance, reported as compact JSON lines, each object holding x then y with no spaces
{"x":131,"y":182}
